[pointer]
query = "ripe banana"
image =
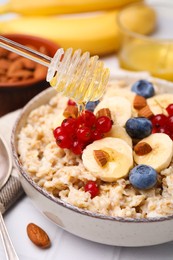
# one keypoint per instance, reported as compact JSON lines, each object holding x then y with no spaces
{"x":119,"y":132}
{"x":97,"y":33}
{"x":141,"y":12}
{"x":159,"y":103}
{"x":120,"y":108}
{"x":58,"y":121}
{"x":161,"y":154}
{"x":119,"y":163}
{"x":50,"y":7}
{"x":154,"y":106}
{"x":115,"y":91}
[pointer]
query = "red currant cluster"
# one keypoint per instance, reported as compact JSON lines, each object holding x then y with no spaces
{"x":162,"y":123}
{"x":76,"y":133}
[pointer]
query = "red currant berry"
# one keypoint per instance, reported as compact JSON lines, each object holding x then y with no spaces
{"x":96,"y":135}
{"x":169,"y":109}
{"x":64,"y":141}
{"x":171,"y":135}
{"x":104,"y":124}
{"x":155,"y":130}
{"x":84,"y":133}
{"x":57,"y":131}
{"x":77,"y":147}
{"x":71,"y":102}
{"x":164,"y":130}
{"x":170,"y":123}
{"x":88,"y":118}
{"x":69,"y":125}
{"x":158,"y":120}
{"x":92,"y":188}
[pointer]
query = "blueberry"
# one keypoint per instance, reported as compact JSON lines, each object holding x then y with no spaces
{"x":143,"y":88}
{"x":143,"y":177}
{"x":138,"y":127}
{"x":91,"y":105}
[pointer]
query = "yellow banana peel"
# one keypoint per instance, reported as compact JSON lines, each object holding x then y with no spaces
{"x":97,"y":32}
{"x":51,"y":7}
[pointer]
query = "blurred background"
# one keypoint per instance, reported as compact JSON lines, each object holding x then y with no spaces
{"x":132,"y":35}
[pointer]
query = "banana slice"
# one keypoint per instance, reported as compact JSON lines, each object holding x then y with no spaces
{"x":164,"y":100}
{"x":58,"y":120}
{"x":119,"y":132}
{"x":154,"y":106}
{"x":161,"y":154}
{"x":119,"y":163}
{"x":159,"y":103}
{"x":120,"y":107}
{"x":111,"y":92}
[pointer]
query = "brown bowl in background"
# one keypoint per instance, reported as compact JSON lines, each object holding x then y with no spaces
{"x":16,"y":89}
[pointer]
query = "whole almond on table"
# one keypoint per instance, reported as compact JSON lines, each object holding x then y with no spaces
{"x":38,"y":236}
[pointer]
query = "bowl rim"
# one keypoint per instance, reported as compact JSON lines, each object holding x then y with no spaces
{"x":125,"y":30}
{"x":44,"y":41}
{"x":47,"y":92}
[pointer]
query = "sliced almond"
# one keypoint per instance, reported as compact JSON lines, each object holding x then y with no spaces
{"x":145,"y":112}
{"x":101,"y":157}
{"x":70,"y":111}
{"x":142,"y":148}
{"x":139,"y":102}
{"x":104,"y":112}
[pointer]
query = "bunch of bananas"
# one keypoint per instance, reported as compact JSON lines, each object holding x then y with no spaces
{"x":96,"y":32}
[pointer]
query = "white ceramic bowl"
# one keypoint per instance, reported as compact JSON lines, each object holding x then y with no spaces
{"x":95,"y":227}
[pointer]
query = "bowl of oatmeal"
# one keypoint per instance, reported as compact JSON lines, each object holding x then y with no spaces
{"x":117,"y":188}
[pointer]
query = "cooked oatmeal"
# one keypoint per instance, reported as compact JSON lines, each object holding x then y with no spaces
{"x":63,"y":174}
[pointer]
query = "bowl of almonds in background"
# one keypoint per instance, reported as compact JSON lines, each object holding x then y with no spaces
{"x":20,"y":78}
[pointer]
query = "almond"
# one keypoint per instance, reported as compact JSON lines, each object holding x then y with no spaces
{"x":15,"y":66}
{"x":3,"y":53}
{"x":101,"y":157}
{"x":104,"y":112}
{"x":38,"y":236}
{"x":20,"y":74}
{"x":145,"y":112}
{"x":139,"y":102}
{"x":43,"y":50}
{"x":4,"y":64}
{"x":70,"y":111}
{"x":40,"y":71}
{"x":28,"y":64}
{"x":142,"y":148}
{"x":13,"y":56}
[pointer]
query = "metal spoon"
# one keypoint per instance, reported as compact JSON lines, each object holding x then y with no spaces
{"x":5,"y":170}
